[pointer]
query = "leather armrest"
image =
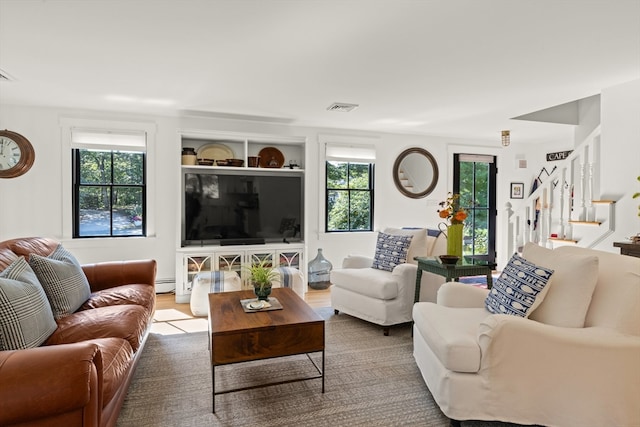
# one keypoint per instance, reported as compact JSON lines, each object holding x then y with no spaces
{"x":104,"y":275}
{"x":45,"y":381}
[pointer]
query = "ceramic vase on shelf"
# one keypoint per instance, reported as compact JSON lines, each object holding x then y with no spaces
{"x":319,"y":270}
{"x":189,"y":157}
{"x":454,"y":239}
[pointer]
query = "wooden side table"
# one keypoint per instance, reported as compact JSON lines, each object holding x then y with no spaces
{"x":452,"y":271}
{"x":237,"y":336}
{"x":631,"y":249}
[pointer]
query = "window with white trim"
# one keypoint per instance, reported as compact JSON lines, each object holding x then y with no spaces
{"x":109,"y":184}
{"x":349,"y":187}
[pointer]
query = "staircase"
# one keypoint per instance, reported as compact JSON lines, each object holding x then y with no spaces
{"x":405,"y":180}
{"x":565,"y":208}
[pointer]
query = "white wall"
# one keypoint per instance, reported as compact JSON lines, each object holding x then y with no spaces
{"x":31,"y":205}
{"x":620,"y":152}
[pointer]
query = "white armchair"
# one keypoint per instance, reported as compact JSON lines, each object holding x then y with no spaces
{"x":386,"y":297}
{"x":574,"y":362}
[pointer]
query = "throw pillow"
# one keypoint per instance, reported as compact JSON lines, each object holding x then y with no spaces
{"x":418,"y":246}
{"x":63,"y":281}
{"x":519,"y":288}
{"x":391,"y":251}
{"x":26,"y":319}
{"x":570,"y":289}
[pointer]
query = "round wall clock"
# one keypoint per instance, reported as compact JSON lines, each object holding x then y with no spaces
{"x":16,"y":154}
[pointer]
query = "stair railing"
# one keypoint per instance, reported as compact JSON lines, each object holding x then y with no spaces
{"x":541,"y":219}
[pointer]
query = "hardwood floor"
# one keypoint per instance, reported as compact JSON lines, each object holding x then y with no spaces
{"x":315,"y":298}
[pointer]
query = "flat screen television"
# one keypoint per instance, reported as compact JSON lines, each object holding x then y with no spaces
{"x":235,"y":207}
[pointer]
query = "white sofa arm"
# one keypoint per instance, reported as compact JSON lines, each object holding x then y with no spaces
{"x":455,"y":294}
{"x":357,"y":261}
{"x":597,"y":367}
{"x":405,"y":274}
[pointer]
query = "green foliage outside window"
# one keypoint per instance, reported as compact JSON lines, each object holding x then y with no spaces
{"x":109,"y":193}
{"x":474,"y":193}
{"x":349,"y":196}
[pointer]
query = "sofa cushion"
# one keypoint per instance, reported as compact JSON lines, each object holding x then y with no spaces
{"x":7,"y":256}
{"x":63,"y":280}
{"x":570,"y":288}
{"x":519,"y":289}
{"x":26,"y":320}
{"x":143,"y":295}
{"x":119,"y":321}
{"x":378,"y":284}
{"x":26,"y":246}
{"x":451,"y":333}
{"x":391,"y":250}
{"x":116,"y":362}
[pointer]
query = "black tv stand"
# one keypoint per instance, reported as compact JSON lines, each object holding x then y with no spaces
{"x":242,"y":241}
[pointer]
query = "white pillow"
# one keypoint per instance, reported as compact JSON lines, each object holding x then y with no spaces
{"x":418,"y":246}
{"x":570,"y":288}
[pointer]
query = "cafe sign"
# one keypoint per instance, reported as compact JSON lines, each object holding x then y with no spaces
{"x":559,"y":155}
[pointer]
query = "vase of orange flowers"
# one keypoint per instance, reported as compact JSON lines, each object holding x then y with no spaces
{"x":451,"y":211}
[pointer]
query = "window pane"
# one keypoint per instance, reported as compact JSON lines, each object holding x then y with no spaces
{"x":127,"y":211}
{"x":480,"y":241}
{"x":360,"y":210}
{"x":482,"y":185}
{"x":338,"y":211}
{"x":337,"y":175}
{"x":95,"y":167}
{"x":359,"y":175}
{"x":95,"y":211}
{"x":127,"y":168}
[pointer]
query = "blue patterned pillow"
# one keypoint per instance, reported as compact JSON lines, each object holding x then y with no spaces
{"x":391,"y":250}
{"x":518,"y":289}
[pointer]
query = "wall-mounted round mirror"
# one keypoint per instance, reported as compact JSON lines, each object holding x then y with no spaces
{"x":415,"y":173}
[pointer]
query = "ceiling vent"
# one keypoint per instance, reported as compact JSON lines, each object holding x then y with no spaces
{"x":341,"y":106}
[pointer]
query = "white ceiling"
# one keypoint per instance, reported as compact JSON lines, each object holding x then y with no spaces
{"x":458,"y":68}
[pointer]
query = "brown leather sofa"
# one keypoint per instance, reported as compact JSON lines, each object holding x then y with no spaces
{"x":80,"y":375}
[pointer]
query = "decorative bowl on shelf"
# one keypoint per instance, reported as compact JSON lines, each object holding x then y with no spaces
{"x":449,"y":259}
{"x":205,"y":162}
{"x":235,"y":162}
{"x":222,"y":163}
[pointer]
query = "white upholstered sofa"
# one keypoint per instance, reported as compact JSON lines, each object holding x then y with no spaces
{"x":386,"y":297}
{"x":574,"y":362}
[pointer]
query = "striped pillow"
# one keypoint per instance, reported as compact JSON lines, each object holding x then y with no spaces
{"x":63,"y":281}
{"x":26,"y":320}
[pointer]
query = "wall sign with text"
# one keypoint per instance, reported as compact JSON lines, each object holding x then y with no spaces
{"x":558,"y":155}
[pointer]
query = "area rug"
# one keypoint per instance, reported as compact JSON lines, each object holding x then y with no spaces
{"x":371,"y":380}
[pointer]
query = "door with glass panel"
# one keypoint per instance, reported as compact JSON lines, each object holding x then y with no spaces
{"x":474,"y":178}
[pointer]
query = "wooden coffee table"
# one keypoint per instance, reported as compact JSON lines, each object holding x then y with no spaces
{"x":237,"y":336}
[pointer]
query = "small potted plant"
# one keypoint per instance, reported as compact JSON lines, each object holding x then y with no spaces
{"x":261,"y":276}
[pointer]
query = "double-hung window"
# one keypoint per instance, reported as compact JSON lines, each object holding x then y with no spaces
{"x":109,"y":184}
{"x":349,"y":187}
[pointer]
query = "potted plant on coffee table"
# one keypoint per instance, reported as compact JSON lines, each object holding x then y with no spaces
{"x":261,"y":275}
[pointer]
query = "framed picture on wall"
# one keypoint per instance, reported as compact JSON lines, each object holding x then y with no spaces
{"x":517,"y":190}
